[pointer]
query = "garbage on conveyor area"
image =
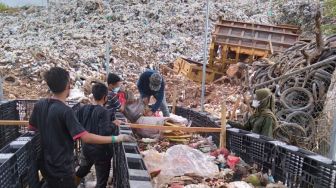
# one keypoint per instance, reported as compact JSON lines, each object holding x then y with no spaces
{"x":176,"y":159}
{"x":198,"y":163}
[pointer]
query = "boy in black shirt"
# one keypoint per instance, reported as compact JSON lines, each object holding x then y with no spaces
{"x":59,"y":128}
{"x":96,"y":119}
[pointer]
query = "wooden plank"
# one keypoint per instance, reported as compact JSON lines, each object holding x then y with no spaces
{"x":13,"y":122}
{"x":271,"y":47}
{"x":134,"y":126}
{"x":218,"y":39}
{"x":263,"y":30}
{"x":223,"y":127}
{"x":283,"y":26}
{"x":184,"y":129}
{"x":174,"y":99}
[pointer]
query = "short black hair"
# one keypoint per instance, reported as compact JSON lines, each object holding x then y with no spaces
{"x":57,"y":79}
{"x":113,"y":78}
{"x":99,"y":91}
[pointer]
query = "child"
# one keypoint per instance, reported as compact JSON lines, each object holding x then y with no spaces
{"x":59,"y":128}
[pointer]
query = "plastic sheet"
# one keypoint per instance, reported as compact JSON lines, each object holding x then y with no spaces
{"x":239,"y":184}
{"x":153,"y":160}
{"x":150,"y":133}
{"x":182,"y":159}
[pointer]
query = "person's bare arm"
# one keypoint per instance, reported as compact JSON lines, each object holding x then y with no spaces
{"x":96,"y":139}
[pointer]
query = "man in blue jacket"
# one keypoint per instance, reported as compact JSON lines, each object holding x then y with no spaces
{"x":150,"y":84}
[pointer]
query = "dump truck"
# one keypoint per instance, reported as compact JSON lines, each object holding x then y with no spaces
{"x":235,"y":42}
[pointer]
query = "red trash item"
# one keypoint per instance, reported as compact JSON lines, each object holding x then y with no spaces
{"x":122,"y":97}
{"x":157,"y":114}
{"x":224,"y":152}
{"x":214,"y":153}
{"x":232,"y":161}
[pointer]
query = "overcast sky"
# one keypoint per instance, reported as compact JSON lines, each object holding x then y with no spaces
{"x":14,"y":3}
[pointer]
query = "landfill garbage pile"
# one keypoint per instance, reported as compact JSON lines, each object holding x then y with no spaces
{"x":205,"y":165}
{"x":300,"y":13}
{"x":73,"y":34}
{"x":301,"y":88}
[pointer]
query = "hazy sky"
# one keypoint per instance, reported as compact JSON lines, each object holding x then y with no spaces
{"x":14,"y":3}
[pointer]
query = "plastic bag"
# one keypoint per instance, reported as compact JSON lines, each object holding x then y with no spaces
{"x":182,"y":159}
{"x":232,"y":161}
{"x":178,"y":119}
{"x":133,"y":110}
{"x":153,"y":160}
{"x":149,"y":133}
{"x":239,"y":184}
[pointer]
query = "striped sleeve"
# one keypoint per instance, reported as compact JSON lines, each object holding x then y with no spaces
{"x":113,"y":102}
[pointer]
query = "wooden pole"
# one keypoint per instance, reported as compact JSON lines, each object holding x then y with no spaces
{"x":174,"y":100}
{"x":134,"y":126}
{"x":1,"y":90}
{"x":271,"y":47}
{"x":223,"y":127}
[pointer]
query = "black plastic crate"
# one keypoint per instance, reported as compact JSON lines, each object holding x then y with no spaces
{"x":131,"y":148}
{"x":235,"y":142}
{"x":8,"y":172}
{"x":288,"y":164}
{"x":259,"y":151}
{"x":318,"y":171}
{"x":120,"y":172}
{"x":22,"y":155}
{"x":134,"y":163}
{"x":35,"y":145}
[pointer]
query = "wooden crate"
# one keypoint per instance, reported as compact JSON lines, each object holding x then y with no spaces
{"x":235,"y":42}
{"x":193,"y":70}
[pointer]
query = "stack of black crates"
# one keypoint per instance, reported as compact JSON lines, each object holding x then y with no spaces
{"x":18,"y":162}
{"x":129,"y":170}
{"x":293,"y":166}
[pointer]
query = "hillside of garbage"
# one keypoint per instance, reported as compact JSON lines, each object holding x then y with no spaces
{"x":146,"y":33}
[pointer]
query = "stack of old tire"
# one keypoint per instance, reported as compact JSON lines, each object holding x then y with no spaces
{"x":294,"y":166}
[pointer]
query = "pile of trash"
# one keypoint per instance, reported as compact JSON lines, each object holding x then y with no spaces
{"x":192,"y":165}
{"x":75,"y":34}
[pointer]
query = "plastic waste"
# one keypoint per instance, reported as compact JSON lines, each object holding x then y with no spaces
{"x":182,"y":159}
{"x":133,"y":110}
{"x":239,"y":184}
{"x":153,"y":160}
{"x":150,"y":133}
{"x":232,"y":161}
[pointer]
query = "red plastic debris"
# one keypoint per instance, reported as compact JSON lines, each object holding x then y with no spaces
{"x":232,"y":161}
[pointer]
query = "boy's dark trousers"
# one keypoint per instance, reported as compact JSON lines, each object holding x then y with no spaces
{"x":102,"y":169}
{"x":65,"y":182}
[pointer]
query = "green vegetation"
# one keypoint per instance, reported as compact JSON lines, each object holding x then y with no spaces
{"x":3,"y":7}
{"x":6,"y":9}
{"x":329,"y":21}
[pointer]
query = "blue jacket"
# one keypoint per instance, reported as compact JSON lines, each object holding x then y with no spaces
{"x":145,"y":91}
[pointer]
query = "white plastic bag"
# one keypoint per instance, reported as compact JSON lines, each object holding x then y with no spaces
{"x":153,"y":160}
{"x":182,"y":159}
{"x":149,"y":133}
